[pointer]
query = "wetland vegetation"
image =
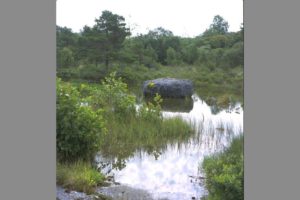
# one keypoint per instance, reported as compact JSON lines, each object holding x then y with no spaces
{"x":225,"y":172}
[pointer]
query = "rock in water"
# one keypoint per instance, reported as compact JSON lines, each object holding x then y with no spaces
{"x":168,"y":88}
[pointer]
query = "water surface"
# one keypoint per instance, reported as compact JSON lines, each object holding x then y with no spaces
{"x":173,"y":172}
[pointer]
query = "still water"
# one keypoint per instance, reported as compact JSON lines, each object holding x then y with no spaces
{"x":174,"y":172}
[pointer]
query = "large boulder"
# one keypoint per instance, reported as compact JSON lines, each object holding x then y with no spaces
{"x":168,"y":88}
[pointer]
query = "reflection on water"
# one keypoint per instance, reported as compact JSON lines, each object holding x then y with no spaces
{"x":173,"y":172}
{"x":176,"y":105}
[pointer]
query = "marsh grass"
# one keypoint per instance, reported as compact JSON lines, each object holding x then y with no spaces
{"x":210,"y":134}
{"x":79,"y":176}
{"x":134,"y":133}
{"x":127,"y":128}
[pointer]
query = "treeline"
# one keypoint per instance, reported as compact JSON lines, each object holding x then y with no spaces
{"x":110,"y":41}
{"x":213,"y":60}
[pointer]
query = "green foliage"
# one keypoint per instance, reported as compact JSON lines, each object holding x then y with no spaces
{"x":107,"y":43}
{"x":67,"y":74}
{"x":65,"y":57}
{"x":150,"y":57}
{"x":91,"y":46}
{"x":219,"y":26}
{"x":225,"y":173}
{"x":151,"y":111}
{"x":216,"y":41}
{"x":92,"y":73}
{"x":178,"y":126}
{"x":129,"y":129}
{"x":136,"y":132}
{"x":81,"y":130}
{"x":160,"y":40}
{"x":103,"y":42}
{"x":213,"y":60}
{"x":78,"y":128}
{"x":113,"y":96}
{"x":234,"y":56}
{"x":66,"y":47}
{"x":65,"y":37}
{"x":190,"y":54}
{"x":171,"y":56}
{"x":79,"y":176}
{"x":114,"y":31}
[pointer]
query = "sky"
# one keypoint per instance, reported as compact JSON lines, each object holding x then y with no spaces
{"x":186,"y":18}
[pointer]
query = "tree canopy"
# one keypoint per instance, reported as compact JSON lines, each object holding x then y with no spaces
{"x":218,"y":26}
{"x":109,"y":41}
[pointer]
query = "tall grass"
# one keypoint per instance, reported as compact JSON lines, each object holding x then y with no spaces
{"x":134,"y":133}
{"x":111,"y":123}
{"x":79,"y":176}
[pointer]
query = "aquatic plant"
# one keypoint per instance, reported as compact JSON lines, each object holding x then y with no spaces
{"x":224,"y":172}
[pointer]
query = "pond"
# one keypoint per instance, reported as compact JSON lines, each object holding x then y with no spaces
{"x":174,"y":172}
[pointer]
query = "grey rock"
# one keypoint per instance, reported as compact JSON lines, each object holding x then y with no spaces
{"x":168,"y":88}
{"x":61,"y":194}
{"x":122,"y":192}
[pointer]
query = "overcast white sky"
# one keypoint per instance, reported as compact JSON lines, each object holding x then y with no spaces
{"x":182,"y":17}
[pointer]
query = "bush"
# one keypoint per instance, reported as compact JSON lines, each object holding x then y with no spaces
{"x":65,"y":57}
{"x":114,"y":97}
{"x":78,"y":127}
{"x":92,"y":73}
{"x":151,"y":111}
{"x":225,"y":173}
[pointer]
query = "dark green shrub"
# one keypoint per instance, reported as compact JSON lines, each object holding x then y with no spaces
{"x":78,"y":128}
{"x":65,"y":57}
{"x":67,"y":73}
{"x":225,"y":173}
{"x":92,"y":72}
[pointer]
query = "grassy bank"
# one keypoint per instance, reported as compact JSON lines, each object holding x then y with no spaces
{"x":79,"y":176}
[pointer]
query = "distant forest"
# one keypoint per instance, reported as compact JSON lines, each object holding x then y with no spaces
{"x":109,"y":40}
{"x":214,"y":57}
